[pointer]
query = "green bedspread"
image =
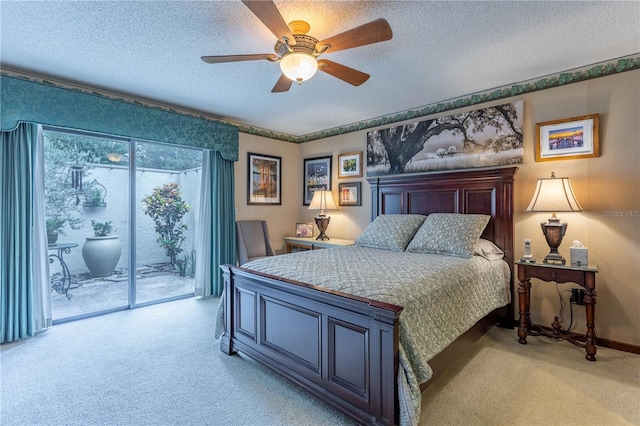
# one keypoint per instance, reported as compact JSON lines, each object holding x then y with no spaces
{"x":442,"y":297}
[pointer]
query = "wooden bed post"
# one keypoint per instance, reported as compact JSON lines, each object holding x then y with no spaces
{"x":226,"y":344}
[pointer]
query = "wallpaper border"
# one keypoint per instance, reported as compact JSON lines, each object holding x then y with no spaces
{"x":587,"y":72}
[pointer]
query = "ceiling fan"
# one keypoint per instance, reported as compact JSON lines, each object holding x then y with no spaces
{"x":297,"y":52}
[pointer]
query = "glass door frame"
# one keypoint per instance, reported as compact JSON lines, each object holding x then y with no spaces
{"x":131,"y":260}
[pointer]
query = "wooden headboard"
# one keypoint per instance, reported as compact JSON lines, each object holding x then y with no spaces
{"x":479,"y":191}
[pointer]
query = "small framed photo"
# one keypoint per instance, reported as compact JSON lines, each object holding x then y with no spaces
{"x":350,"y":165}
{"x":350,"y":194}
{"x":317,"y":175}
{"x":568,"y":139}
{"x":264,"y":179}
{"x":304,"y":230}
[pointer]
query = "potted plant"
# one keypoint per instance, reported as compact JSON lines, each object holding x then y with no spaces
{"x":54,"y":228}
{"x":94,"y":195}
{"x":101,"y":252}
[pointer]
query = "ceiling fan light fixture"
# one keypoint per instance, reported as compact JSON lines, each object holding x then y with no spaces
{"x":299,"y":66}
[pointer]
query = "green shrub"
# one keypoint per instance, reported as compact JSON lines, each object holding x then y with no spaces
{"x":167,"y":208}
{"x":102,"y":229}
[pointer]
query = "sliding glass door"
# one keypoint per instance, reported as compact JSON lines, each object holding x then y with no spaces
{"x":121,"y":218}
{"x":167,"y":202}
{"x":86,"y":208}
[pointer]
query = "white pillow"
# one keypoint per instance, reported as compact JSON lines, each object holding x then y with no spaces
{"x":488,"y":250}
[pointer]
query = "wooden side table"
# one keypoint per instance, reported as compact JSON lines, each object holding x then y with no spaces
{"x":300,"y":244}
{"x":583,"y":276}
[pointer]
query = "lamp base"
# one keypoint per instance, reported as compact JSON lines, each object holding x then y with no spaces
{"x":554,"y":258}
{"x":553,"y":232}
{"x":322,"y":222}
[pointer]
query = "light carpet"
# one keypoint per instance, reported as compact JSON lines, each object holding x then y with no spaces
{"x":160,"y":365}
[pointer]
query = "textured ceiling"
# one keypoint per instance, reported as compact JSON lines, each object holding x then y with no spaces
{"x":439,"y":51}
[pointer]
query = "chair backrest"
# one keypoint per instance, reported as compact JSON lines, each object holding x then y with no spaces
{"x":253,"y":240}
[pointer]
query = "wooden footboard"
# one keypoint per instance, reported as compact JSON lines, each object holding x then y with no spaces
{"x":341,"y":348}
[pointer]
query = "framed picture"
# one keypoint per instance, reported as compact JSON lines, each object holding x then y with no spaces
{"x":567,"y":139}
{"x":317,"y":175}
{"x":304,"y":230}
{"x":350,"y":165}
{"x":350,"y":194}
{"x":264,"y":180}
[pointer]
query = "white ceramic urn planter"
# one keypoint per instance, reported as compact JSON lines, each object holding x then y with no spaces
{"x":101,"y":254}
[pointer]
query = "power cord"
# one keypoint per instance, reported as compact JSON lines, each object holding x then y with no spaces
{"x":563,"y":305}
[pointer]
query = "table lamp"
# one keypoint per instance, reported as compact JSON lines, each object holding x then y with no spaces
{"x":322,"y":200}
{"x":554,"y":195}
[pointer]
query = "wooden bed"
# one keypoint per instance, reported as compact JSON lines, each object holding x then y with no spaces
{"x":346,"y":330}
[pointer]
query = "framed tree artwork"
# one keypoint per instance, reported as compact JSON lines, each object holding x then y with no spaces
{"x":264,"y":181}
{"x":317,"y":175}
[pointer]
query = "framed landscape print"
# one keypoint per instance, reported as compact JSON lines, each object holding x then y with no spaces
{"x":317,"y":175}
{"x":350,"y":165}
{"x":264,"y":181}
{"x":569,"y":138}
{"x":350,"y":194}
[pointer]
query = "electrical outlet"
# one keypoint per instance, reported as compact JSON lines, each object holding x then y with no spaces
{"x":577,"y":296}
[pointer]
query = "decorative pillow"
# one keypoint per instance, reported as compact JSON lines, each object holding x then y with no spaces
{"x":488,"y":250}
{"x":450,"y":234}
{"x":390,"y":231}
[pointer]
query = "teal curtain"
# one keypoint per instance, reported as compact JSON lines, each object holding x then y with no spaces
{"x":16,"y":218}
{"x":217,"y":243}
{"x":26,"y":101}
{"x":23,"y":100}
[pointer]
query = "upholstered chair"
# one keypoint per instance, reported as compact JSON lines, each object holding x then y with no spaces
{"x":252,"y":240}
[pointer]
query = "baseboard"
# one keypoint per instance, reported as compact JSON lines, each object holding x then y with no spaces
{"x":605,"y":343}
{"x":619,"y":346}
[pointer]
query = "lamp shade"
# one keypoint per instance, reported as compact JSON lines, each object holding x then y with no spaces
{"x":322,"y":200}
{"x":299,"y":66}
{"x":554,"y":195}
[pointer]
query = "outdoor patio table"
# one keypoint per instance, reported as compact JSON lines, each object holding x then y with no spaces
{"x":62,"y":284}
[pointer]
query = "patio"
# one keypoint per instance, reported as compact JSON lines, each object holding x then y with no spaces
{"x":153,"y":282}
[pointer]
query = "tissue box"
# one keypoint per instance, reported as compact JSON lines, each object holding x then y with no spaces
{"x":579,"y":256}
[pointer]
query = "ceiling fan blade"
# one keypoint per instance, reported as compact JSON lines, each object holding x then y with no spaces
{"x":270,"y":16}
{"x":373,"y":32}
{"x":342,"y":72}
{"x":237,"y":58}
{"x":283,"y":84}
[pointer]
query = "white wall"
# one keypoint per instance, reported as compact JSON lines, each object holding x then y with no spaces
{"x":116,"y":181}
{"x":603,"y":186}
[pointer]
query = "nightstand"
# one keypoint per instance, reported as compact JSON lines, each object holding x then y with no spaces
{"x":583,"y":276}
{"x":292,"y":244}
